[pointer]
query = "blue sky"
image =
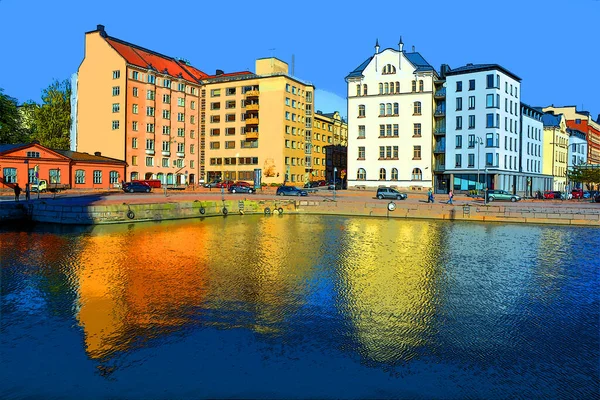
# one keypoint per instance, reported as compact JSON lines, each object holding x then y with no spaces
{"x":552,"y":46}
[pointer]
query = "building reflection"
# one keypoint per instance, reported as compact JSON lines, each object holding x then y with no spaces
{"x":387,"y":280}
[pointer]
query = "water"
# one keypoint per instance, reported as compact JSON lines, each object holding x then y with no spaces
{"x":300,"y":307}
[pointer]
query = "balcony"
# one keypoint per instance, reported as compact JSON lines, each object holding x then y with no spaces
{"x":439,"y":131}
{"x":166,"y":153}
{"x":252,"y":135}
{"x":150,"y":152}
{"x":252,"y":107}
{"x":180,"y":154}
{"x":252,"y":93}
{"x":252,"y":121}
{"x":439,"y":148}
{"x":440,"y":111}
{"x":440,"y":93}
{"x":439,"y":167}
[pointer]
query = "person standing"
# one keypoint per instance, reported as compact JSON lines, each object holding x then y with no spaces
{"x":17,"y":192}
{"x":450,"y":196}
{"x":429,"y":196}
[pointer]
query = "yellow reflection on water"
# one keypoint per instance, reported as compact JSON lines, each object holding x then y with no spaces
{"x":389,"y":270}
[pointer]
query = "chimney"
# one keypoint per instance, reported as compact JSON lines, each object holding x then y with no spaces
{"x":100,"y":28}
{"x":598,"y":119}
{"x":413,"y":49}
{"x":219,"y":72}
{"x":444,"y":70}
{"x":97,"y":153}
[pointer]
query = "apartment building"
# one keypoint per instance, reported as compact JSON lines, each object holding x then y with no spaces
{"x":583,"y":122}
{"x":390,"y":119}
{"x":531,"y":134}
{"x":328,"y":146}
{"x":140,"y":106}
{"x":258,"y":122}
{"x":555,"y":149}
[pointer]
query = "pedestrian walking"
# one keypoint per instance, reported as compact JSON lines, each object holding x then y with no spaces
{"x":430,"y":196}
{"x":450,"y":196}
{"x":17,"y":192}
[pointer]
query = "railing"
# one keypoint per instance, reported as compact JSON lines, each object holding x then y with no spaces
{"x":150,"y":151}
{"x":440,"y":111}
{"x":441,"y":93}
{"x":180,"y":154}
{"x":252,"y":107}
{"x":252,"y":93}
{"x":439,"y":167}
{"x":166,"y":153}
{"x":252,"y":135}
{"x":251,"y":121}
{"x":439,"y":130}
{"x":439,"y":148}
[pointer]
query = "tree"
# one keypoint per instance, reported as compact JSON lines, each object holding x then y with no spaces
{"x":11,"y":129}
{"x":52,"y":120}
{"x":586,"y":174}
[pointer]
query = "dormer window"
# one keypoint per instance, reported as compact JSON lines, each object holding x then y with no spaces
{"x":389,"y":69}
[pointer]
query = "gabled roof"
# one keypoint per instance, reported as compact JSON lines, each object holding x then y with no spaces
{"x":414,"y":58}
{"x":77,"y":156}
{"x":551,"y":120}
{"x":471,"y":68}
{"x":359,"y":70}
{"x":9,"y":147}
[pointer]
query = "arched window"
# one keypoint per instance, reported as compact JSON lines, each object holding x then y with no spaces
{"x":396,"y":109}
{"x":417,"y":175}
{"x":381,"y":88}
{"x":135,"y":176}
{"x":382,"y":174}
{"x":160,"y":176}
{"x":421,"y":85}
{"x":358,"y":90}
{"x":381,"y":109}
{"x":414,"y":86}
{"x":417,"y":108}
{"x":387,"y":88}
{"x":389,"y":109}
{"x":397,"y":87}
{"x":361,"y":175}
{"x":394,"y":174}
{"x":365,"y":89}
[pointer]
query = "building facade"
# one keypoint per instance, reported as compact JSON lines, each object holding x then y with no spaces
{"x":555,"y":150}
{"x":583,"y":122}
{"x":390,"y":120}
{"x":328,"y":146}
{"x":531,"y":132}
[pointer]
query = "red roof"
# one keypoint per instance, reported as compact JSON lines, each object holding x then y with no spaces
{"x":144,"y":58}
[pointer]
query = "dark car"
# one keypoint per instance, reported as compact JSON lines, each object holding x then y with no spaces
{"x":389,"y":193}
{"x":311,"y":184}
{"x":242,"y":183}
{"x":290,"y":191}
{"x":240,"y":189}
{"x":597,"y":198}
{"x":337,"y":184}
{"x":130,"y":187}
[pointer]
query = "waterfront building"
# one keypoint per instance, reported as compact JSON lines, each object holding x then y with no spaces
{"x":390,"y":120}
{"x":483,"y":128}
{"x":531,"y":133}
{"x":555,"y":149}
{"x":577,"y":153}
{"x":31,"y":162}
{"x":582,"y":121}
{"x":140,"y":106}
{"x":328,"y":146}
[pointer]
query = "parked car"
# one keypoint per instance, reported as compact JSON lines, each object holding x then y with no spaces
{"x":223,"y":184}
{"x":587,"y":194}
{"x":290,"y":191}
{"x":311,"y":184}
{"x":337,"y":184}
{"x":548,"y":194}
{"x":240,"y":189}
{"x":502,"y":195}
{"x":153,"y":183}
{"x":130,"y":187}
{"x":597,"y":198}
{"x":242,"y":183}
{"x":577,"y":193}
{"x":389,"y":193}
{"x":212,"y":184}
{"x":43,"y":186}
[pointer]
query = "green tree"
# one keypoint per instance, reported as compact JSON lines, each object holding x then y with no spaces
{"x":52,"y":119}
{"x":11,"y":129}
{"x":585,"y":174}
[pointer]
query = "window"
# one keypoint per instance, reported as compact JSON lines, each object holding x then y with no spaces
{"x":150,"y":128}
{"x":167,"y":83}
{"x":166,"y":114}
{"x":192,"y":119}
{"x":472,"y":84}
{"x":489,"y":101}
{"x":471,"y":122}
{"x":150,"y":95}
{"x":364,"y":92}
{"x":230,"y":144}
{"x":150,"y":111}
{"x":458,"y":123}
{"x":381,"y":88}
{"x":458,"y":103}
{"x":113,"y":177}
{"x":116,"y":107}
{"x":215,"y":93}
{"x":10,"y":175}
{"x":396,"y":130}
{"x":471,"y":161}
{"x":215,"y":132}
{"x":215,"y":145}
{"x":33,"y":154}
{"x":151,"y":79}
{"x":115,"y":125}
{"x":388,"y":109}
{"x":165,"y":162}
{"x":215,"y":106}
{"x":417,"y":130}
{"x":116,"y":90}
{"x":116,"y":74}
{"x":97,"y":176}
{"x":181,"y":87}
{"x":166,"y":130}
{"x":489,"y":140}
{"x":134,"y":108}
{"x":414,"y":86}
{"x":149,"y":161}
{"x":135,"y":92}
{"x":193,"y":105}
{"x":458,"y":141}
{"x":394,"y":174}
{"x":230,"y":118}
{"x":416,"y":152}
{"x":229,"y":91}
{"x":361,"y":111}
{"x":134,"y":143}
{"x":490,"y":81}
{"x":80,"y":176}
{"x":358,"y":90}
{"x":361,"y":153}
{"x":489,"y":160}
{"x":361,"y":174}
{"x":167,"y":98}
{"x":395,"y":108}
{"x":489,"y":120}
{"x":417,"y":108}
{"x":149,"y":144}
{"x":471,"y":102}
{"x":459,"y":86}
{"x":457,"y":160}
{"x":361,"y":131}
{"x":471,"y":141}
{"x":230,"y":131}
{"x":420,"y":85}
{"x":416,"y":175}
{"x":381,"y":109}
{"x":230,"y":104}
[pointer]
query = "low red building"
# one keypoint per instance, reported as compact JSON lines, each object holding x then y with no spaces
{"x":30,"y":163}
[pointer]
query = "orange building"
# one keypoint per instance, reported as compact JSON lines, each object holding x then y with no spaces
{"x":27,"y":163}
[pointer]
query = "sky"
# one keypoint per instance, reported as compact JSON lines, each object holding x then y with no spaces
{"x":551,"y":45}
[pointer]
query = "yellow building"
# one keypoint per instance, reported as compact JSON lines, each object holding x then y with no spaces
{"x":555,"y":149}
{"x":257,"y":121}
{"x":328,"y":130}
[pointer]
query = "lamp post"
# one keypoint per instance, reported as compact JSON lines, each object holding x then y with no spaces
{"x":334,"y":181}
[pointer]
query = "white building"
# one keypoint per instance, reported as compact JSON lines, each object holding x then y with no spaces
{"x":482,"y":127}
{"x":531,"y":137}
{"x":578,"y":151}
{"x":390,"y":116}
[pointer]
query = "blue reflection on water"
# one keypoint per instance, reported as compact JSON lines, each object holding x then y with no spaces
{"x":301,"y":307}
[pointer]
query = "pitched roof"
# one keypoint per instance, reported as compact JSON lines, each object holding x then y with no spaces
{"x":9,"y":147}
{"x":359,"y":70}
{"x":551,"y":119}
{"x":471,"y":68}
{"x":414,"y":58}
{"x":77,"y":156}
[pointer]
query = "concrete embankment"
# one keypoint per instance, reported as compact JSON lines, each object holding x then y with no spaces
{"x":50,"y":212}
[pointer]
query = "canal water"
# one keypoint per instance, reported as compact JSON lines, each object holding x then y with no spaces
{"x":300,"y":307}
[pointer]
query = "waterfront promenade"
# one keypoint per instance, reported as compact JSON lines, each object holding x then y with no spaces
{"x":118,"y":207}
